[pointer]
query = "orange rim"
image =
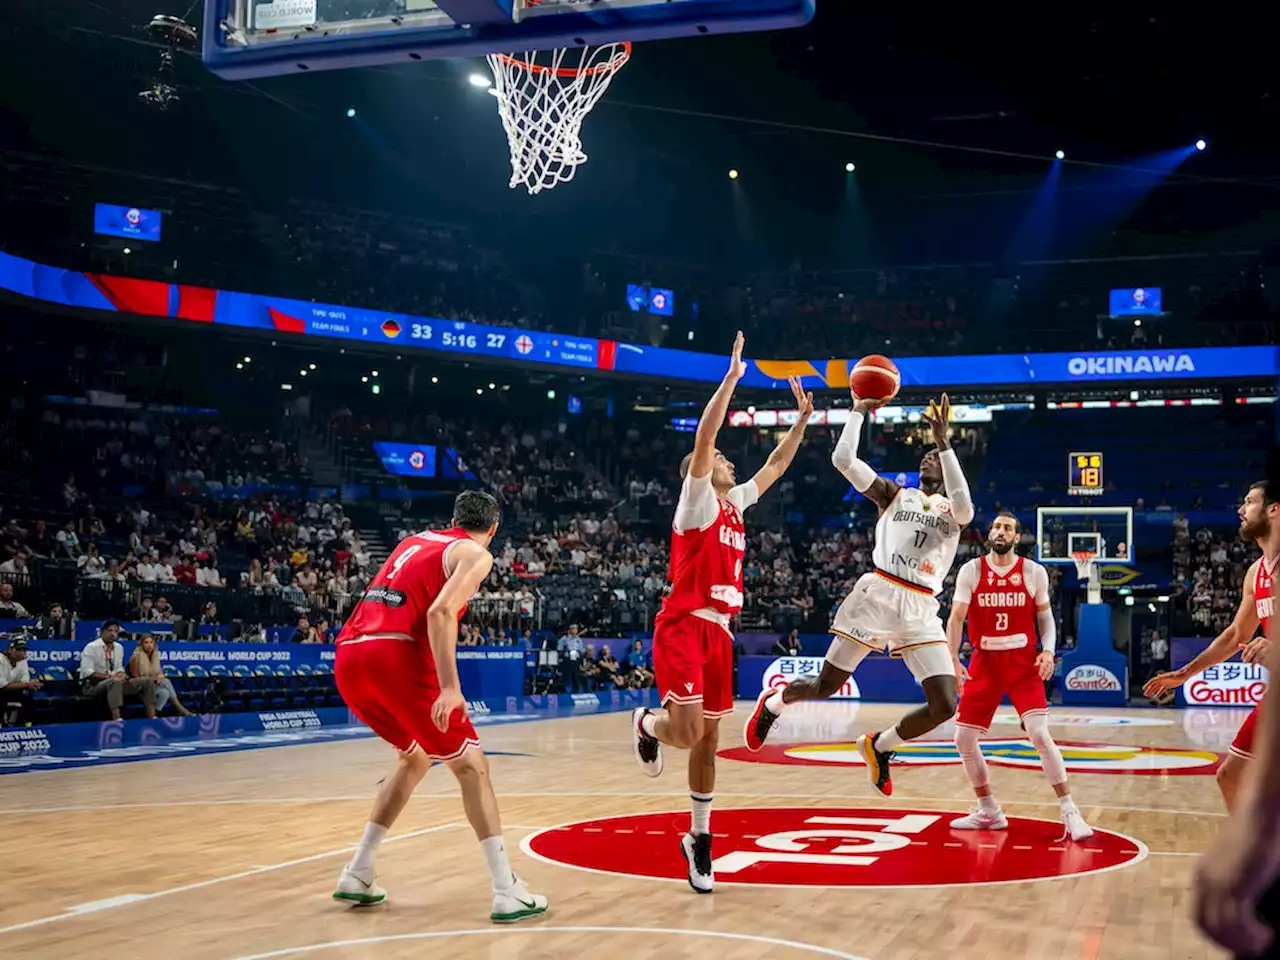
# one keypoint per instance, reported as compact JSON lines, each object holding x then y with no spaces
{"x":609,"y":66}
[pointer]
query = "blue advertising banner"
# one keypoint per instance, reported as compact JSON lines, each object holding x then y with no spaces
{"x":486,"y":673}
{"x":70,"y":745}
{"x":538,"y":348}
{"x":877,"y":678}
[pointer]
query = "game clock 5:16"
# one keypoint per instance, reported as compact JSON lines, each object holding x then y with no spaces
{"x":484,"y":342}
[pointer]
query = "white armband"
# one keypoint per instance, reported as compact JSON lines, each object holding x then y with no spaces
{"x":956,"y":486}
{"x":1048,"y":630}
{"x":845,"y":456}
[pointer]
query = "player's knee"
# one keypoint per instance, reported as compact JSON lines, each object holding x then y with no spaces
{"x":1037,"y":729}
{"x":415,"y":764}
{"x":471,"y":766}
{"x":966,"y":741}
{"x":685,"y":731}
{"x":942,"y":700}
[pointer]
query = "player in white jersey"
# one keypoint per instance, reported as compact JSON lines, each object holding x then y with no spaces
{"x":895,"y":606}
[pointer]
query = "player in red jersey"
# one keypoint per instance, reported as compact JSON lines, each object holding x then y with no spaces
{"x":1006,"y":600}
{"x":397,"y":671}
{"x":692,"y":642}
{"x":1260,"y":524}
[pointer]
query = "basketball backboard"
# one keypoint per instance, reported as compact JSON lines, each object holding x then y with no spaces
{"x":1108,"y":531}
{"x":243,"y":39}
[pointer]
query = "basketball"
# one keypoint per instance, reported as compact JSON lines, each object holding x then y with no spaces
{"x":875,"y":378}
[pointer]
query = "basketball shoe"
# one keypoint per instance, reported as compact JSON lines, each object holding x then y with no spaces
{"x":759,"y":723}
{"x":359,"y":887}
{"x":877,"y":762}
{"x":696,"y":848}
{"x":979,"y":819}
{"x":516,"y":903}
{"x":647,"y":749}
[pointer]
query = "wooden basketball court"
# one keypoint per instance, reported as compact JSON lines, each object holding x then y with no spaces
{"x":235,"y":855}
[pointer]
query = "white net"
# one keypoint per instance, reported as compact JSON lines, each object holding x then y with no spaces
{"x":543,"y":97}
{"x":1087,"y":570}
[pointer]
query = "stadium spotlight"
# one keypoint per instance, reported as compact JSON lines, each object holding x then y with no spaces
{"x":373,"y":373}
{"x":551,"y":394}
{"x":1060,"y":155}
{"x":311,"y":366}
{"x":493,"y":386}
{"x":479,"y":391}
{"x":850,"y":167}
{"x":733,"y":174}
{"x":248,"y":359}
{"x":127,"y":251}
{"x":302,"y":372}
{"x":351,"y":112}
{"x":364,"y":379}
{"x":286,"y":386}
{"x":239,"y":366}
{"x":377,"y":389}
{"x":1200,"y":144}
{"x":480,"y":80}
{"x":435,"y":379}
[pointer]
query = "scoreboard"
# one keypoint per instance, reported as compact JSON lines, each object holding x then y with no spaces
{"x":1084,"y":474}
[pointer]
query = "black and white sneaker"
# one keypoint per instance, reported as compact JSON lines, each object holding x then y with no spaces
{"x":697,"y":854}
{"x":759,"y":723}
{"x":647,"y":749}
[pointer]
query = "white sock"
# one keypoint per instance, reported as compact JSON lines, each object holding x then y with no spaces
{"x":368,"y":849}
{"x":988,"y":804}
{"x":775,"y":704}
{"x":701,"y":821}
{"x":495,"y":858}
{"x":648,"y":723}
{"x":889,"y":740}
{"x":1066,"y":803}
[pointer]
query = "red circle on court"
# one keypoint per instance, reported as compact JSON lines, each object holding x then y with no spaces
{"x":835,"y":847}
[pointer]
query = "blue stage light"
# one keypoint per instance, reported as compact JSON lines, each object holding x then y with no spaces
{"x":1200,"y":144}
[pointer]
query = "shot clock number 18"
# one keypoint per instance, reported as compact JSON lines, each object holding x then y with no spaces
{"x":1084,"y":474}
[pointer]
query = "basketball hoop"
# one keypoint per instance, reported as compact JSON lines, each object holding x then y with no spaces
{"x":1084,"y":560}
{"x":543,"y":97}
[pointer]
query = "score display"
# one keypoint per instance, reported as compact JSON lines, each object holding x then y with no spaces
{"x":1084,"y":474}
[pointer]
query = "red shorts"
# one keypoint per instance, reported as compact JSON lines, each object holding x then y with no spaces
{"x":994,"y":673}
{"x":693,"y":663}
{"x":1242,"y":745}
{"x":391,"y":685}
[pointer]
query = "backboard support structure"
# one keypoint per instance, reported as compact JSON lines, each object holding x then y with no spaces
{"x":1086,"y":537}
{"x":244,"y":39}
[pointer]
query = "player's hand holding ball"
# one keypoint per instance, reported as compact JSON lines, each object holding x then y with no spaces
{"x":873,"y":382}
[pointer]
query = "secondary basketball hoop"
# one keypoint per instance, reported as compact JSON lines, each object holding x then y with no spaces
{"x":543,"y":97}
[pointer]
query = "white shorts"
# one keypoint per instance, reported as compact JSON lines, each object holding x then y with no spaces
{"x":880,"y":614}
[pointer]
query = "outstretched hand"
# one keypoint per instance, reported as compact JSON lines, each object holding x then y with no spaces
{"x":938,"y":416}
{"x":803,"y":400}
{"x":737,"y":366}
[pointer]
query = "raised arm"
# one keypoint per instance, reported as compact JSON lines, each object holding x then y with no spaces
{"x":938,"y":416}
{"x":704,"y":441}
{"x":858,"y":472}
{"x":472,"y":564}
{"x":1238,"y":632}
{"x":782,"y":455}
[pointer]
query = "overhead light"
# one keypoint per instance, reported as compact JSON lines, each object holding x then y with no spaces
{"x":493,"y":386}
{"x":364,"y":379}
{"x":435,"y":379}
{"x":302,"y":373}
{"x":733,"y":174}
{"x":1060,"y":155}
{"x":551,"y":394}
{"x":247,"y":359}
{"x":480,"y":80}
{"x":311,"y":366}
{"x":479,"y":390}
{"x":239,"y":366}
{"x":373,"y":373}
{"x":1163,"y":598}
{"x":286,"y":386}
{"x":1200,"y":144}
{"x":850,"y":167}
{"x":127,"y":251}
{"x":351,"y":112}
{"x":377,"y":388}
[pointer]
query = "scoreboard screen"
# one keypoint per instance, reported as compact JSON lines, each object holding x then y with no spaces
{"x":1084,"y":474}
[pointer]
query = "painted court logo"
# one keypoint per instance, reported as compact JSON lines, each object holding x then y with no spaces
{"x":835,"y":847}
{"x":1079,"y":757}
